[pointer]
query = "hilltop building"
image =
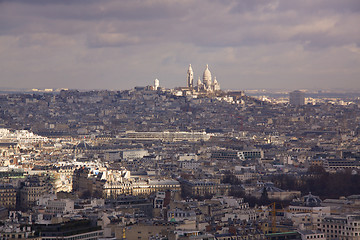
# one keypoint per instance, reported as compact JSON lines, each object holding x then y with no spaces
{"x":206,"y":85}
{"x":156,"y":84}
{"x":297,"y":98}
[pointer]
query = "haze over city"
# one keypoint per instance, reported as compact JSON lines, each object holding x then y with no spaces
{"x":85,"y":44}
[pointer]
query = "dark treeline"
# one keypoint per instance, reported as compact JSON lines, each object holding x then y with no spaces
{"x":321,"y":183}
{"x":230,"y":179}
{"x":317,"y":181}
{"x":238,"y":191}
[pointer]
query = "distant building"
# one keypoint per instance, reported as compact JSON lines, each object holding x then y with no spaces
{"x":32,"y":189}
{"x":156,"y":84}
{"x":341,"y":227}
{"x":112,"y":155}
{"x":17,"y":232}
{"x":81,"y":229}
{"x":238,"y":155}
{"x":133,"y":154}
{"x":61,"y":206}
{"x":139,"y":188}
{"x":275,"y":193}
{"x":189,"y":164}
{"x":297,"y":98}
{"x":146,"y":231}
{"x":167,"y":136}
{"x":341,"y":164}
{"x":159,"y":199}
{"x":7,"y":196}
{"x":312,"y":235}
{"x":203,"y":188}
{"x":207,"y":85}
{"x":178,"y":215}
{"x":86,"y":182}
{"x":20,"y":136}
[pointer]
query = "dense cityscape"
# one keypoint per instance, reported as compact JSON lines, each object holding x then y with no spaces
{"x":179,"y":120}
{"x":191,"y":162}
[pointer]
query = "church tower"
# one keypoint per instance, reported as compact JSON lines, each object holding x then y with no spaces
{"x":199,"y":85}
{"x":216,"y":85}
{"x":190,"y":77}
{"x":156,"y":84}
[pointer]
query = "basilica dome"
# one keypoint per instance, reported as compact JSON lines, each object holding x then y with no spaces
{"x":207,"y":77}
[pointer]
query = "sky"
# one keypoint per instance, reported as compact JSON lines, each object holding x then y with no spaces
{"x":120,"y":44}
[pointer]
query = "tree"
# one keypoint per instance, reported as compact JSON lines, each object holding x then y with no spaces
{"x":237,"y":191}
{"x":264,"y":199}
{"x":231,"y":179}
{"x":85,"y":195}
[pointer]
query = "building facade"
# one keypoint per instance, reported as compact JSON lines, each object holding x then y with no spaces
{"x":204,"y":188}
{"x":297,"y":98}
{"x":32,"y":189}
{"x":345,"y":227}
{"x":7,"y":196}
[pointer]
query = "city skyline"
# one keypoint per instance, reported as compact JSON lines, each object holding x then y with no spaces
{"x":122,"y":44}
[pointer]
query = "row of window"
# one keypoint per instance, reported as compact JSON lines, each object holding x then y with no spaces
{"x":7,"y":236}
{"x":345,"y":234}
{"x":7,"y":199}
{"x":2,"y":193}
{"x":340,"y":227}
{"x":179,"y":214}
{"x":315,"y":236}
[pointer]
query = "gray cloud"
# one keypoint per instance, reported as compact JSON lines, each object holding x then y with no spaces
{"x":111,"y":40}
{"x":250,"y":39}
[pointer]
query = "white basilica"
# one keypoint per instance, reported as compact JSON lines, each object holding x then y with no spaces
{"x":207,"y":85}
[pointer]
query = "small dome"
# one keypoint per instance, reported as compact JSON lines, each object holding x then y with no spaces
{"x":199,"y":82}
{"x":311,"y":200}
{"x":215,"y":81}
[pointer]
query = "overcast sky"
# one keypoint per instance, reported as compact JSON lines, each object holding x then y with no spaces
{"x":120,"y":44}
